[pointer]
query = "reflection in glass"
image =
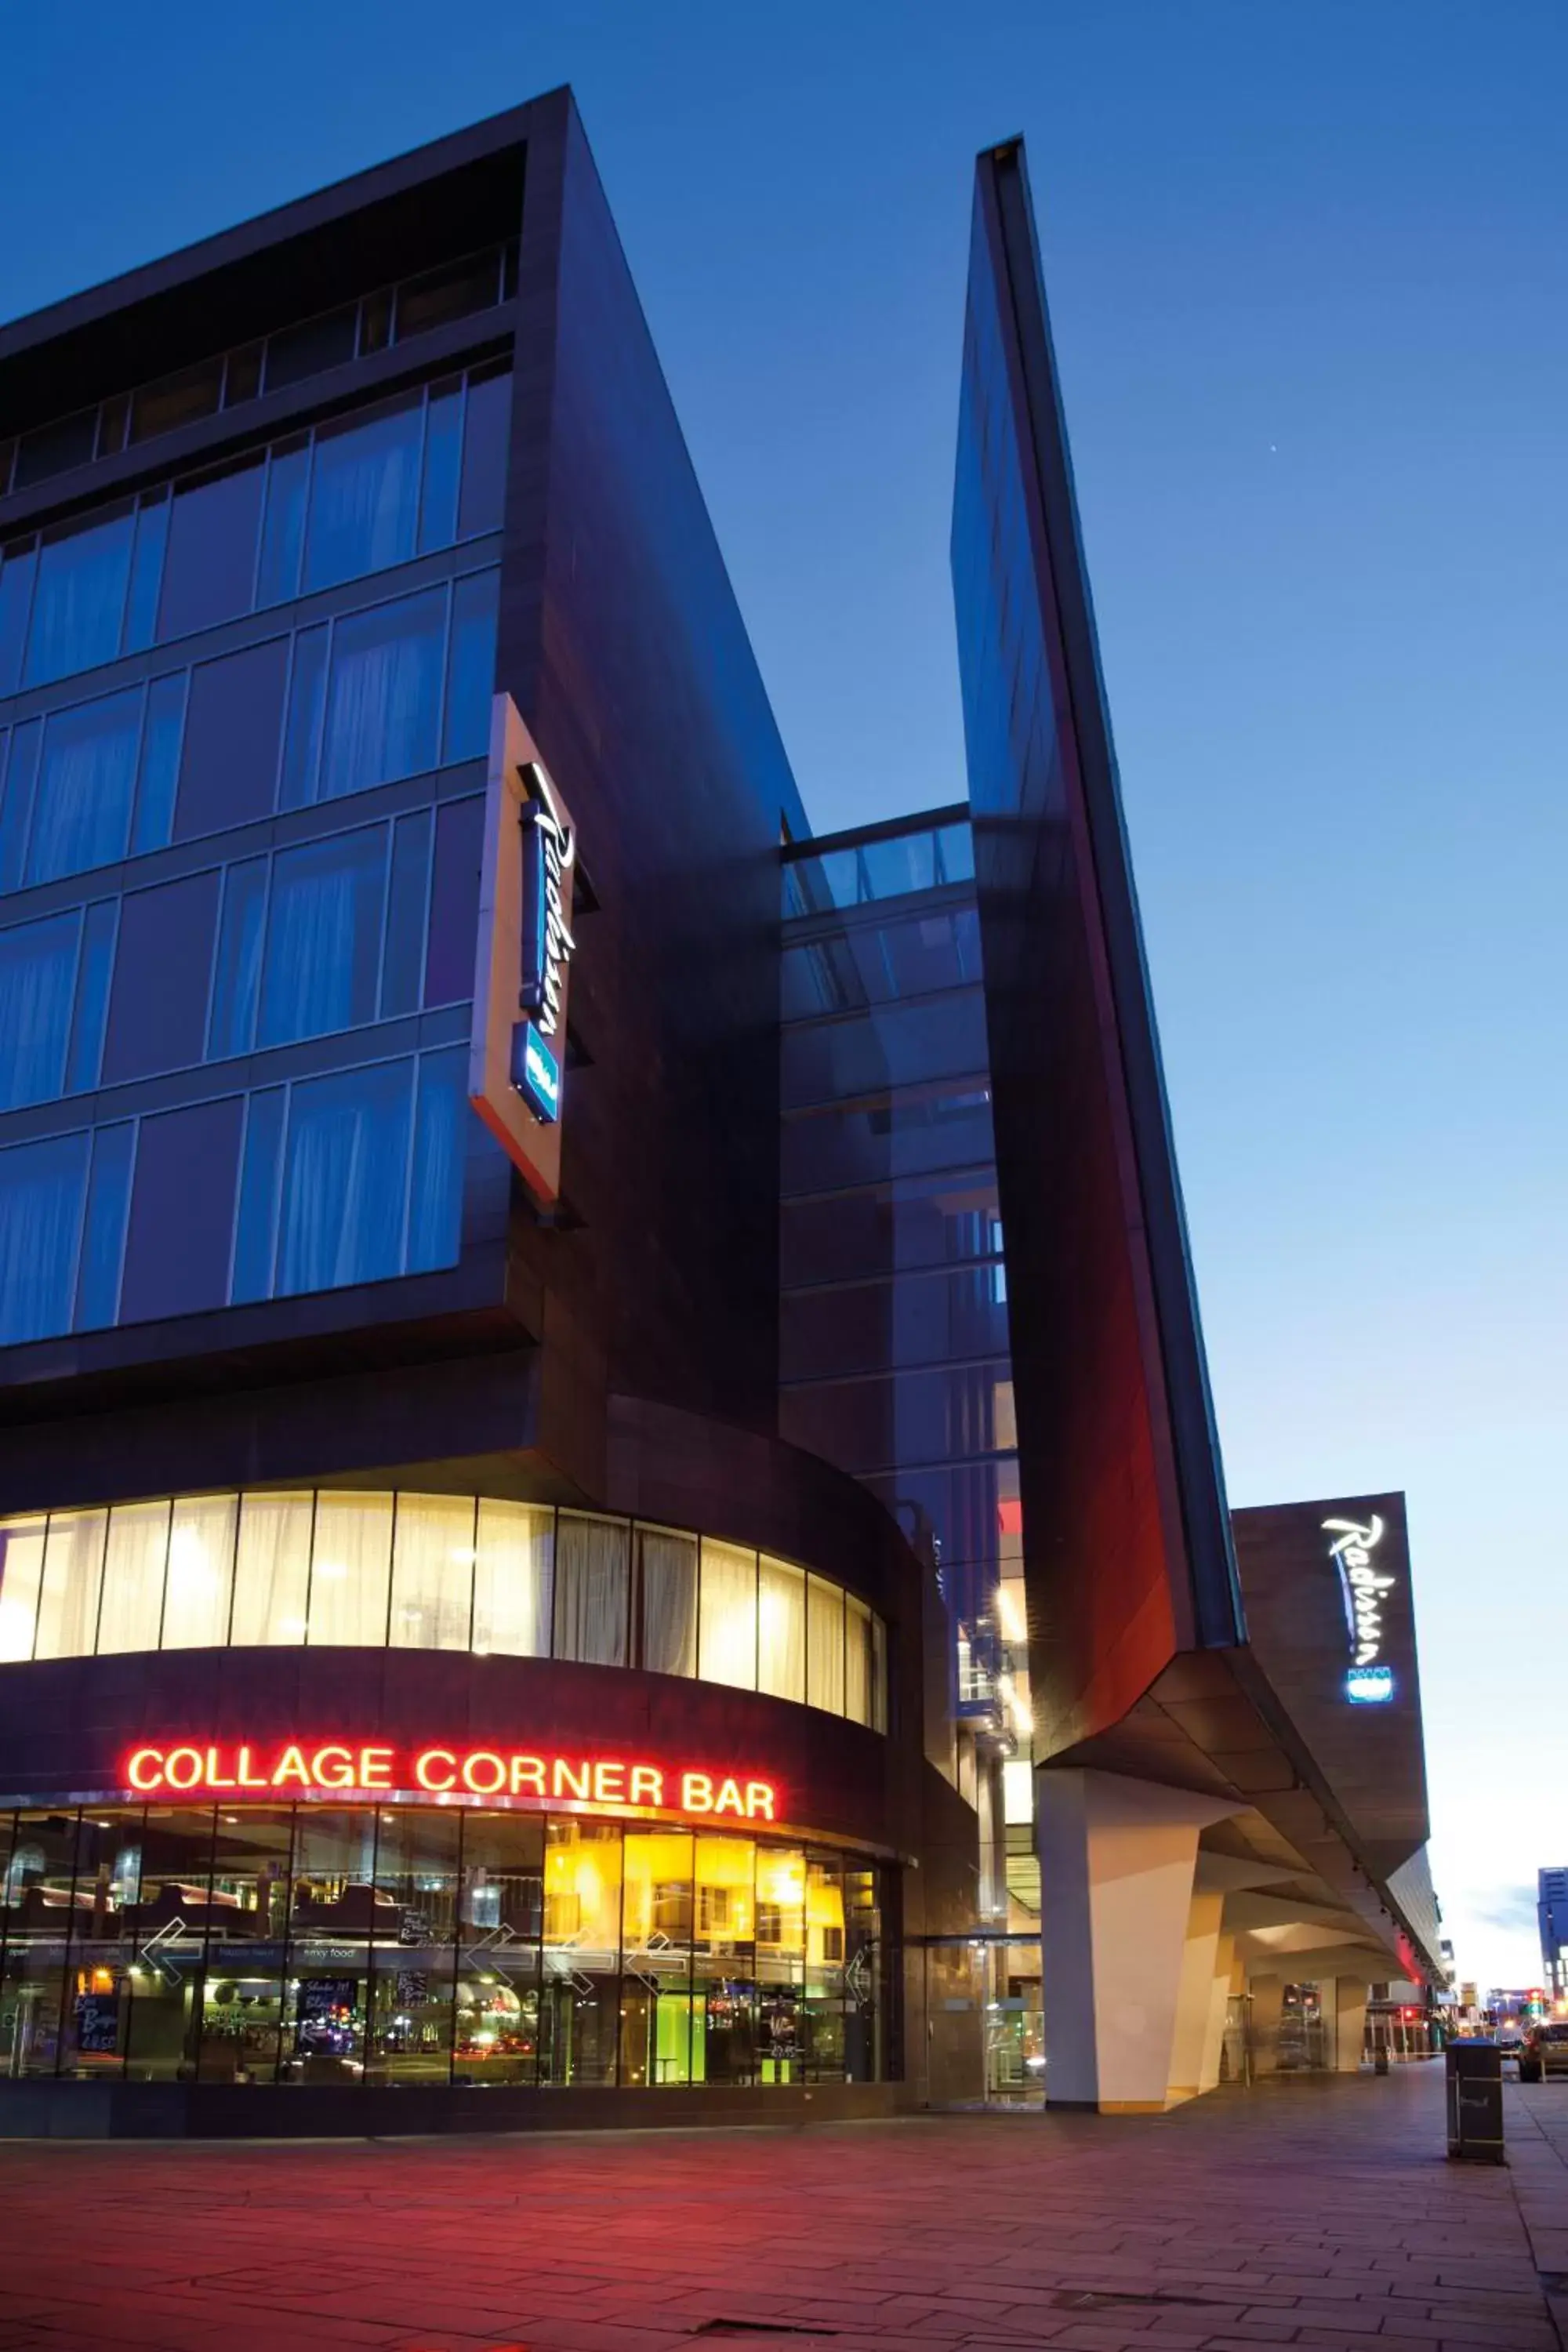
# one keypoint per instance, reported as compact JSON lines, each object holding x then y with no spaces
{"x":579,"y":2025}
{"x":724,"y":1959}
{"x":334,"y":1909}
{"x":496,"y":2036}
{"x":242,"y":2016}
{"x":656,"y":1983}
{"x":412,"y":1954}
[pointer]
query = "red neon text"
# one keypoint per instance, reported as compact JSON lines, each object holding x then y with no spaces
{"x":448,"y":1772}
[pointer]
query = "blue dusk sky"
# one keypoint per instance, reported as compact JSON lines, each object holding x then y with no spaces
{"x":1306,"y":265}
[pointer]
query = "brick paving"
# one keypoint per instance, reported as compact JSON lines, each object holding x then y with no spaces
{"x":1318,"y":2214}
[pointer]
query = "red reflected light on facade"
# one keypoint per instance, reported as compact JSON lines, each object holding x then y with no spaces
{"x":1010,"y":1515}
{"x":235,"y":1769}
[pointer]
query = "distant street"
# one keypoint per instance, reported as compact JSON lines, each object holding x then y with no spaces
{"x":1316,"y":2213}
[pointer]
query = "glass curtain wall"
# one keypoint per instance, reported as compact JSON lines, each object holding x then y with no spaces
{"x":345,"y":1569}
{"x":403,"y":1944}
{"x":895,"y":1358}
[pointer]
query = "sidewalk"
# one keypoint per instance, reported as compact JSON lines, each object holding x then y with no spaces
{"x":1317,"y":2213}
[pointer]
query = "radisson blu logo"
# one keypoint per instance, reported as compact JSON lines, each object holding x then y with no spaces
{"x":536,"y":1072}
{"x":1368,"y":1682}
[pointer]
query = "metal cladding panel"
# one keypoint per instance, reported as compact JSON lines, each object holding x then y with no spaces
{"x":1128,"y":1551}
{"x":1304,"y":1634}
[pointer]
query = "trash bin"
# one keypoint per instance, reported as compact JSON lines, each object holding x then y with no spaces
{"x":1475,"y":2101}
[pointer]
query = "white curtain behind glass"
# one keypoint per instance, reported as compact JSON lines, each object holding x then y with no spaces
{"x":73,"y":1568}
{"x":728,"y":1649}
{"x":272,"y":1570}
{"x":82,"y":814}
{"x":365,"y":494}
{"x":592,"y":1560}
{"x":668,"y":1601}
{"x":432,"y":1572}
{"x":857,"y":1660}
{"x":21,"y":1574}
{"x":350,"y":1569}
{"x":384,"y":703}
{"x":781,"y":1645}
{"x":201,"y":1572}
{"x":37,"y":981}
{"x":133,"y":1565}
{"x":512,"y":1580}
{"x":824,"y":1645}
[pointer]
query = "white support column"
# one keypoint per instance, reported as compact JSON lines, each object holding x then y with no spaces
{"x":1117,"y":1859}
{"x":1219,"y":2011}
{"x":1349,"y":2024}
{"x":1196,"y":1998}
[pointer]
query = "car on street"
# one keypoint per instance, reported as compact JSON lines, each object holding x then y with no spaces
{"x":1545,"y":2052}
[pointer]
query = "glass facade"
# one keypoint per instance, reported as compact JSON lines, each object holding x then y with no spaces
{"x":895,"y":1353}
{"x":415,"y":1571}
{"x":402,"y":1945}
{"x":271,"y":920}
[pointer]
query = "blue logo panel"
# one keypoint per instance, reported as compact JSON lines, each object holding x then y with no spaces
{"x":535,"y":1072}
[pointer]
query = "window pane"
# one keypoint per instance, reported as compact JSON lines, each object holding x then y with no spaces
{"x":512,"y":1580}
{"x":181,"y":1232}
{"x":879,"y":1675}
{"x":73,"y":1567}
{"x":725,"y":1959}
{"x":146,"y":572}
{"x":37,"y":985}
{"x":98,"y":932}
{"x":443,"y":454}
{"x":441,"y":1130}
{"x":201,"y":1572}
{"x":485,"y":455}
{"x":41,"y":1190}
{"x":257,"y":1224}
{"x":209,"y":571}
{"x":296,"y":353}
{"x":238,"y":974}
{"x":132,"y":1608}
{"x":364,"y":493}
{"x":580,"y":2028}
{"x":21,"y":1575}
{"x":344,"y":1179}
{"x":162,"y":971}
{"x":243,"y":2004}
{"x":655,"y":1936}
{"x":349,"y":1569}
{"x":17,"y":565}
{"x":455,"y":902}
{"x":86,"y":781}
{"x":782,"y":1636}
{"x":471,"y":666}
{"x":330,"y":1925}
{"x":306,"y":709}
{"x":410,"y":886}
{"x":283,"y":534}
{"x":272,"y":1570}
{"x":728,"y":1651}
{"x":432,"y":1572}
{"x":452,"y":291}
{"x":501,"y":1910}
{"x":161,"y":737}
{"x":592,"y":1581}
{"x":177,"y":400}
{"x":228,"y":774}
{"x":857,"y":1660}
{"x":824,"y":1645}
{"x":781,"y":1961}
{"x":669,"y":1582}
{"x":40,"y":1890}
{"x":55,"y":447}
{"x":80,"y":596}
{"x":415,"y":1928}
{"x":323,"y":936}
{"x":384,"y":697}
{"x":16,"y":811}
{"x":104,"y":1239}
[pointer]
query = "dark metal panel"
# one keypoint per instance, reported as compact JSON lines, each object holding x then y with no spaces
{"x":1126,"y":1532}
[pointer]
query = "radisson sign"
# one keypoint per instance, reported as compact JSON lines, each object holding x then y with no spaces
{"x":1368,"y":1682}
{"x":239,"y":1769}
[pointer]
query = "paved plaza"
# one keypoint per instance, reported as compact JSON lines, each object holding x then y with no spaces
{"x":1317,"y":2213}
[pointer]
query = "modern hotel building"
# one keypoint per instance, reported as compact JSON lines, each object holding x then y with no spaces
{"x":520,"y":1576}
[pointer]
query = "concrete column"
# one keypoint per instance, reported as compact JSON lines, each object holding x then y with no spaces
{"x":1117,"y":1859}
{"x":1349,"y":2024}
{"x":1218,"y":2009}
{"x":1195,"y":1998}
{"x":1267,"y":2002}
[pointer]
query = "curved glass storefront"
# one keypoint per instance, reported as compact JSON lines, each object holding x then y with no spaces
{"x":414,"y":1945}
{"x":333,"y":1567}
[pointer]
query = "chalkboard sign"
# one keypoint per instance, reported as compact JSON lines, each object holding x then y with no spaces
{"x":98,"y":2023}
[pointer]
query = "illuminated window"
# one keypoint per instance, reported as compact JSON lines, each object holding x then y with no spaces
{"x":781,"y":1658}
{"x":728,"y":1651}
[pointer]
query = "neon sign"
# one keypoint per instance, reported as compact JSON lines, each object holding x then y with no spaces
{"x":1368,"y":1682}
{"x":549,"y":854}
{"x":306,"y":1767}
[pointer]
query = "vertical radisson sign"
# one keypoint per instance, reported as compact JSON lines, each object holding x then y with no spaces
{"x":516,"y":1065}
{"x":1368,"y":1681}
